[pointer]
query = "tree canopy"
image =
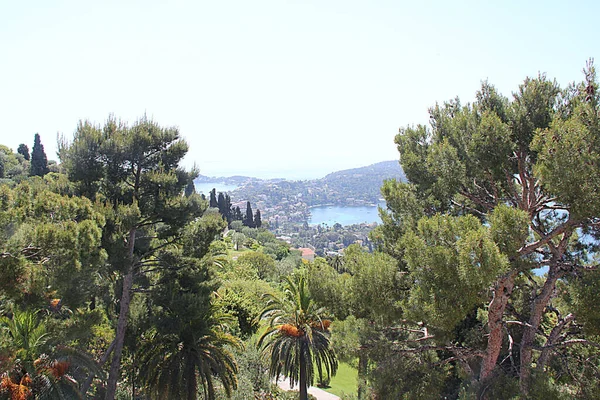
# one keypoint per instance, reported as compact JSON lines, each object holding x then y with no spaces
{"x":499,"y":190}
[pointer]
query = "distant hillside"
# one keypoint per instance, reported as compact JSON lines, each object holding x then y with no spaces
{"x":384,"y":169}
{"x":362,"y":183}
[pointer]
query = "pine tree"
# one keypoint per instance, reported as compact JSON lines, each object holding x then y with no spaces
{"x":24,"y":150}
{"x":257,"y":220}
{"x":248,"y":220}
{"x":136,"y":173}
{"x":39,"y":161}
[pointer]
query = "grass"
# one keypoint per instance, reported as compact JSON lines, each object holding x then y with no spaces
{"x":344,"y":382}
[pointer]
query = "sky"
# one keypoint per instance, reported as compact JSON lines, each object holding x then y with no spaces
{"x":292,"y":89}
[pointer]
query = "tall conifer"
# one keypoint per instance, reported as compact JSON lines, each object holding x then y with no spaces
{"x":213,"y":199}
{"x":248,"y":220}
{"x":24,"y":151}
{"x":257,"y":219}
{"x":39,"y":161}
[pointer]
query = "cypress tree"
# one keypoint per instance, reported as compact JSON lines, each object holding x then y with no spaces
{"x":248,"y":220}
{"x":221,"y":204}
{"x":1,"y":166}
{"x":257,"y":220}
{"x":237,"y":214}
{"x":213,"y":199}
{"x":39,"y":161}
{"x":228,"y":212}
{"x":224,"y":202}
{"x":24,"y":150}
{"x":190,"y":189}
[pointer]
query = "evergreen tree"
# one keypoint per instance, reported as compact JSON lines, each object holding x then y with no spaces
{"x":224,"y":205}
{"x":228,"y":212}
{"x":39,"y":161}
{"x":237,"y":214}
{"x":190,"y":189}
{"x":137,"y":175}
{"x":248,"y":220}
{"x":1,"y":166}
{"x":257,"y":220}
{"x":213,"y":199}
{"x":221,"y":205}
{"x":498,"y":189}
{"x":24,"y":150}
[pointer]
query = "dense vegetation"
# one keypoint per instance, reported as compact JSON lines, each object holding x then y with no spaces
{"x":117,"y":280}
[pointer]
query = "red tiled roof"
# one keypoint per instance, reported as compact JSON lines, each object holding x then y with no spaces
{"x":306,"y":251}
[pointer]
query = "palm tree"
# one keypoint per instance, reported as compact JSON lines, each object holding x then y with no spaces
{"x":174,"y":366}
{"x":297,"y":338}
{"x":34,"y":372}
{"x":188,"y":347}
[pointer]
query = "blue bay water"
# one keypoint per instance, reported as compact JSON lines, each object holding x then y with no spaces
{"x":344,"y":215}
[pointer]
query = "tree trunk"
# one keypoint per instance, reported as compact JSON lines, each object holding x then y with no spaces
{"x":115,"y":366}
{"x":552,"y":340}
{"x":502,"y":292}
{"x":303,"y":382}
{"x":88,"y":382}
{"x":362,"y":374}
{"x":537,"y":311}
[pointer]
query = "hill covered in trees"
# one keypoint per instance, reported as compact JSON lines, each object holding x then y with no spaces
{"x":356,"y":186}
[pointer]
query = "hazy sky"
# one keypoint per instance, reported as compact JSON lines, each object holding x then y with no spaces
{"x":274,"y":88}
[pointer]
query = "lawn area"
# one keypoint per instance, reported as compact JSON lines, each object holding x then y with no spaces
{"x":234,"y":254}
{"x":345,"y":381}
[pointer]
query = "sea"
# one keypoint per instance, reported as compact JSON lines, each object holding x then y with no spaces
{"x":344,"y":215}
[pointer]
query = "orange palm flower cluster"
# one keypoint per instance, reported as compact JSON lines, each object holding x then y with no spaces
{"x":290,"y":330}
{"x":55,"y":303}
{"x":323,"y":325}
{"x":16,"y":391}
{"x":58,"y":368}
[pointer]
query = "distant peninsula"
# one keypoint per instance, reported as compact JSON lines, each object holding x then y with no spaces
{"x":291,"y":200}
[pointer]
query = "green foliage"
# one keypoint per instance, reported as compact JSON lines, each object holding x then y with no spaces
{"x":328,"y":288}
{"x":509,"y":229}
{"x":24,"y":151}
{"x":375,"y":287}
{"x":242,"y":299}
{"x":15,"y":167}
{"x":407,"y":377}
{"x":262,"y":263}
{"x":346,"y":338}
{"x":187,"y":347}
{"x":584,"y":298}
{"x":569,"y":156}
{"x":61,"y":233}
{"x":451,"y":258}
{"x":248,"y":217}
{"x":39,"y":161}
{"x":297,"y":336}
{"x":498,"y":189}
{"x":28,"y":335}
